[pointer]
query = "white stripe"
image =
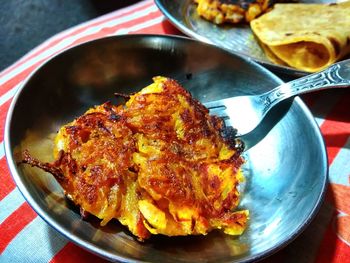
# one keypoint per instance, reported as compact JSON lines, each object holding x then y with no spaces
{"x":68,"y":41}
{"x":37,"y":242}
{"x":339,"y":170}
{"x":9,"y":94}
{"x":137,"y":27}
{"x":72,"y":29}
{"x":10,"y":204}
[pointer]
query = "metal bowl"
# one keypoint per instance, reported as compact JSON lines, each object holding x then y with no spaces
{"x":286,"y":170}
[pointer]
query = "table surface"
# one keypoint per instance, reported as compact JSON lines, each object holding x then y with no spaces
{"x":27,"y":23}
{"x":32,"y":26}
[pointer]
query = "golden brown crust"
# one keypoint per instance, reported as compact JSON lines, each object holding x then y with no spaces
{"x":158,"y":164}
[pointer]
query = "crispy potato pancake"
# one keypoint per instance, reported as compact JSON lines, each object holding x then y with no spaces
{"x":159,"y":164}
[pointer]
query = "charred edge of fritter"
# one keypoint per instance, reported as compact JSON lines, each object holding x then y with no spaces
{"x":245,"y":4}
{"x":239,"y":146}
{"x":47,"y":167}
{"x":113,"y":116}
{"x":53,"y":169}
{"x":126,"y":97}
{"x":229,"y":134}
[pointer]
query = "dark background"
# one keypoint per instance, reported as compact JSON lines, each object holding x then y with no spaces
{"x":24,"y":24}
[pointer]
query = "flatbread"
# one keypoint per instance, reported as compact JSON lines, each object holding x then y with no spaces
{"x":308,"y":37}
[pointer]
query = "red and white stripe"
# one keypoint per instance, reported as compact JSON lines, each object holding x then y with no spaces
{"x":18,"y":221}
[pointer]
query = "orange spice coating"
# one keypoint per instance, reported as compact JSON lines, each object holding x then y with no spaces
{"x":159,"y":164}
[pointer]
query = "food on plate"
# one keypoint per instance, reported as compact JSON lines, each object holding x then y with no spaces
{"x":219,"y":11}
{"x":308,"y":37}
{"x":160,"y":164}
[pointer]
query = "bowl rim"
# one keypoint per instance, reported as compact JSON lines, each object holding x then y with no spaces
{"x":112,"y":256}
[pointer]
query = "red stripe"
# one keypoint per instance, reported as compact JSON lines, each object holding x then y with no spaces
{"x":78,"y":30}
{"x":7,"y":185}
{"x":168,"y":28}
{"x":157,"y":29}
{"x":3,"y":112}
{"x":336,"y":127}
{"x":16,"y":79}
{"x":332,"y":249}
{"x":163,"y":27}
{"x":72,"y":254}
{"x":14,"y":224}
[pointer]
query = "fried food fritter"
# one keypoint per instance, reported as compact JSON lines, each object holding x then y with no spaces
{"x":234,"y":12}
{"x":159,"y":164}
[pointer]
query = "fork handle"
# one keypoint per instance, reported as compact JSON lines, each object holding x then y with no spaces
{"x":337,"y":76}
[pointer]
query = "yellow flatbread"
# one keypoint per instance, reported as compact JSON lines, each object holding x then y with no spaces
{"x":308,"y":37}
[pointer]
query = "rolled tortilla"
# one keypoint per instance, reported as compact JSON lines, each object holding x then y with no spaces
{"x":308,"y":37}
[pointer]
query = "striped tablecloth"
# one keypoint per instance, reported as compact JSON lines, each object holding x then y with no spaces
{"x":25,"y":237}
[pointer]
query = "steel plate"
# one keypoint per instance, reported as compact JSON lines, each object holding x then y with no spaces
{"x":237,"y":39}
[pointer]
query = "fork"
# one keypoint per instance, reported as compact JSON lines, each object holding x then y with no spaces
{"x":244,"y":113}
